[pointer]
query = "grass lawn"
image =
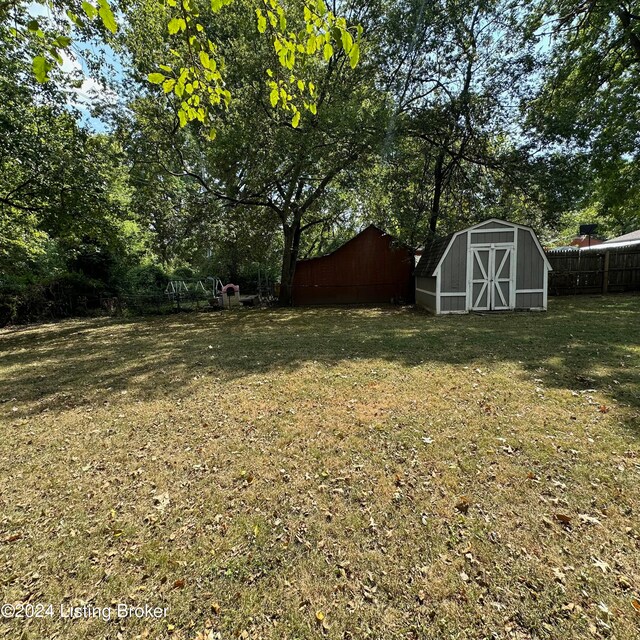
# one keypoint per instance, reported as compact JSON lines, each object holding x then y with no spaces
{"x":326,"y":473}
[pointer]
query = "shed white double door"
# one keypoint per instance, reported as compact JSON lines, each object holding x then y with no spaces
{"x":492,"y":275}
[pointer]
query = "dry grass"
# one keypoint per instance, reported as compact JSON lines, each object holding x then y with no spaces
{"x":406,"y":476}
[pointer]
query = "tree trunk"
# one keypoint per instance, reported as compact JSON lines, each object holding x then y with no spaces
{"x":625,"y":17}
{"x":289,"y":259}
{"x":438,"y":178}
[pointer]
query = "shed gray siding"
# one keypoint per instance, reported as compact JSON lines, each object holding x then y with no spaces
{"x":488,"y":238}
{"x":453,"y":270}
{"x":527,"y":265}
{"x":424,"y":299}
{"x":530,"y":266}
{"x":529,"y":300}
{"x":453,"y":303}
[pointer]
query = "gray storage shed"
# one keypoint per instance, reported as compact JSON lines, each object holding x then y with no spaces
{"x":492,"y":266}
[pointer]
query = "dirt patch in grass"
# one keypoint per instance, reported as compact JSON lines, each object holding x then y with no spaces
{"x":325,"y":473}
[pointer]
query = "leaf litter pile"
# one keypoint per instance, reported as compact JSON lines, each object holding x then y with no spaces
{"x":326,"y":473}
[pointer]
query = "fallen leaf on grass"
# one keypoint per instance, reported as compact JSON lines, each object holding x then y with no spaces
{"x":560,"y":575}
{"x":635,"y":603}
{"x":463,"y":505}
{"x":624,"y":583}
{"x":563,"y":519}
{"x":179,"y":584}
{"x":604,"y":610}
{"x":13,"y":538}
{"x":587,"y":519}
{"x":601,"y":564}
{"x":161,"y":501}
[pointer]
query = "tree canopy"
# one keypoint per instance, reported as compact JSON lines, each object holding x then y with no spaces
{"x":260,"y":131}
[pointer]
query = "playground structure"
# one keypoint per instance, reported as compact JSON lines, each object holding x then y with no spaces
{"x":193,"y":293}
{"x":230,"y":296}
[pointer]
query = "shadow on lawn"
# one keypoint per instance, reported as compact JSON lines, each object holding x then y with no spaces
{"x":580,"y":343}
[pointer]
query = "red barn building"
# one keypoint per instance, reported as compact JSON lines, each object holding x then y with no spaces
{"x":373,"y":267}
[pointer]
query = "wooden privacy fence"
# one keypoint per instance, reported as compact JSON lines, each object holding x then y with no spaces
{"x":600,"y":270}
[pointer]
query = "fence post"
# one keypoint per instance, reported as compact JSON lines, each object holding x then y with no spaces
{"x":605,"y":273}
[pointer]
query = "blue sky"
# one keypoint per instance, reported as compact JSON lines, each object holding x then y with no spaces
{"x":92,"y":89}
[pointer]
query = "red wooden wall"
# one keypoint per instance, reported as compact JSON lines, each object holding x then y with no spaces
{"x":371,"y":268}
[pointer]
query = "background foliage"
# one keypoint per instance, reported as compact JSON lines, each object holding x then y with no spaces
{"x":419,"y":117}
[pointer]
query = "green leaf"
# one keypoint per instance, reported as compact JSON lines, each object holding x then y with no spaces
{"x":290,"y":61}
{"x":354,"y":55}
{"x":262,"y":21}
{"x":63,"y":41}
{"x":212,"y":134}
{"x":89,"y":9}
{"x":311,"y":46}
{"x":168,"y":85}
{"x":205,"y":61}
{"x":274,"y":96}
{"x":33,"y":25}
{"x":108,"y":19}
{"x":295,"y":121}
{"x":156,"y":78}
{"x":347,"y":41}
{"x":336,"y":34}
{"x":40,"y":68}
{"x":73,"y":17}
{"x":175,"y":25}
{"x":328,"y":52}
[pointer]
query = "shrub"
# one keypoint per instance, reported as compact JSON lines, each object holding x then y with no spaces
{"x":146,"y":278}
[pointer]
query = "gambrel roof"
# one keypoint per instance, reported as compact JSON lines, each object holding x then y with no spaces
{"x":436,"y":249}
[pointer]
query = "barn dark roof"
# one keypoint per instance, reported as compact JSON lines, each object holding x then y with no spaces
{"x":433,"y":250}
